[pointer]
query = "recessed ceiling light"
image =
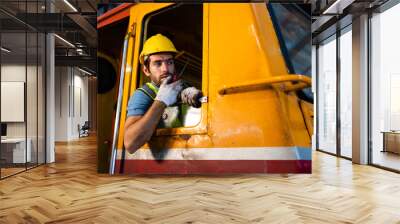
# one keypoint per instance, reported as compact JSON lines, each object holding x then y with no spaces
{"x":70,"y":5}
{"x":65,"y":41}
{"x":84,"y":71}
{"x":337,"y":7}
{"x":5,"y":50}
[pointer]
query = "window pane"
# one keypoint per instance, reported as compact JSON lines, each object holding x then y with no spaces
{"x":346,"y":94}
{"x":385,"y":86}
{"x":292,"y":23}
{"x":327,"y":97}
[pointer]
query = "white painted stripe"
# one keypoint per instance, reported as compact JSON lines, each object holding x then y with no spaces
{"x":240,"y":153}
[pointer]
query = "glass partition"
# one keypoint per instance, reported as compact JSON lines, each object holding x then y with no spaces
{"x":31,"y":97}
{"x":41,"y":86}
{"x":13,"y":94}
{"x":22,"y":88}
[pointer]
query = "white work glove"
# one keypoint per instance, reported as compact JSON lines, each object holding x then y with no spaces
{"x":168,"y":93}
{"x":191,"y":96}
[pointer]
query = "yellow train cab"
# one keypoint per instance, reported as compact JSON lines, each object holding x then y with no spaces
{"x":256,"y":115}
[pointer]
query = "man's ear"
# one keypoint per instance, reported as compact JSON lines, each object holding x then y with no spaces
{"x":146,"y":70}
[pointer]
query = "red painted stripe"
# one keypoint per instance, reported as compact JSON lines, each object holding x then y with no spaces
{"x":213,"y":166}
{"x":114,"y":15}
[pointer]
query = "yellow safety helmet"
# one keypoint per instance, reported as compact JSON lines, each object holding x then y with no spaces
{"x":156,"y":44}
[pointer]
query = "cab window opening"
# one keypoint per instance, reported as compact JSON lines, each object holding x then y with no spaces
{"x":183,"y":25}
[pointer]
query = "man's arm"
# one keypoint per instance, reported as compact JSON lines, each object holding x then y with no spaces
{"x":139,"y":129}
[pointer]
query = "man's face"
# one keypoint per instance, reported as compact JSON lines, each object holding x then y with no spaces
{"x":160,"y":67}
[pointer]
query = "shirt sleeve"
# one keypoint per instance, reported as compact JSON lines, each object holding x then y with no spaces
{"x":138,"y":104}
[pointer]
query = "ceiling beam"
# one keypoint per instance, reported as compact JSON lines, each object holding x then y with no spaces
{"x":81,"y":61}
{"x":85,"y":25}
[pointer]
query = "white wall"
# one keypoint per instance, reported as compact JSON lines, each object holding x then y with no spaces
{"x":71,"y":102}
{"x":81,"y":83}
{"x":61,"y":103}
{"x":13,"y":72}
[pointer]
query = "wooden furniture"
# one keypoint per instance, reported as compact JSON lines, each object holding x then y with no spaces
{"x":391,"y":141}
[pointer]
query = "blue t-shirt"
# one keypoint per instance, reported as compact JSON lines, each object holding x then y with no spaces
{"x":138,"y":104}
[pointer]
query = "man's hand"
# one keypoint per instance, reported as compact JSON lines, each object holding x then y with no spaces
{"x":168,"y":93}
{"x":191,"y":96}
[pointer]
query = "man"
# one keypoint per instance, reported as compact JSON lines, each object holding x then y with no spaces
{"x":148,"y":103}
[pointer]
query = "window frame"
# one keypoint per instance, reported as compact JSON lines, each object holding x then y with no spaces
{"x":142,"y":21}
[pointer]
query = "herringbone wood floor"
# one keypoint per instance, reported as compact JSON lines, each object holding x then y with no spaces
{"x":70,"y":191}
